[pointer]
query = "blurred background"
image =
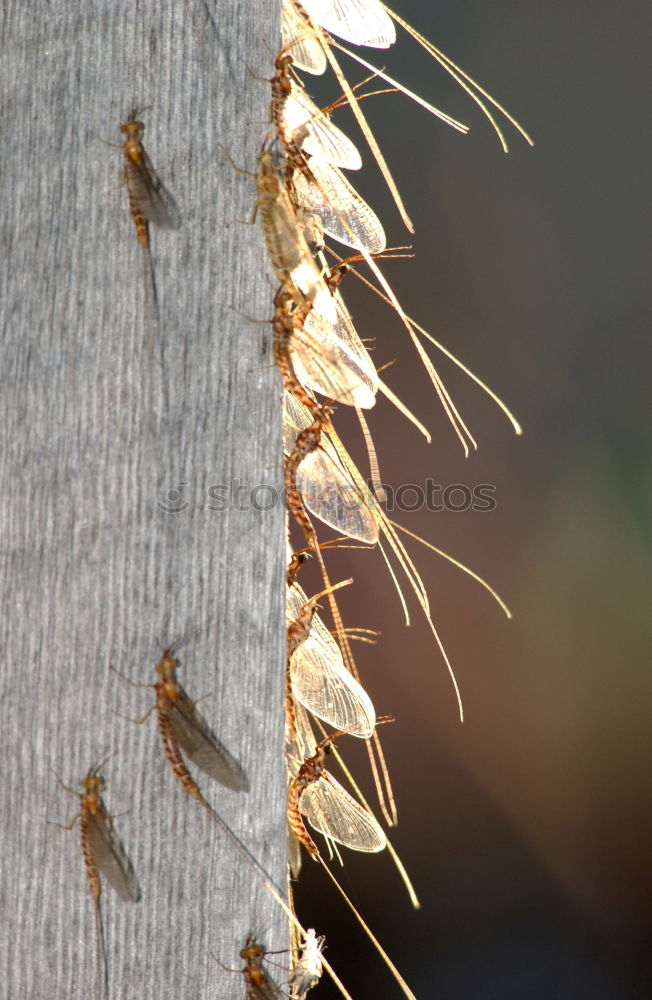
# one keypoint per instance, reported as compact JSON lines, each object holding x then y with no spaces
{"x":527,"y":829}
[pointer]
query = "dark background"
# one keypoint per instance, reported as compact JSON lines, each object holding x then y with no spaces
{"x":526,"y":829}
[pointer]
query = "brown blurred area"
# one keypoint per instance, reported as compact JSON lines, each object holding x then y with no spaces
{"x":526,"y":829}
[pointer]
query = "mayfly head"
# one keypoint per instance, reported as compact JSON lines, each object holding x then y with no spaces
{"x":133,"y":129}
{"x":167,"y":665}
{"x":132,"y":126}
{"x":252,"y":951}
{"x":93,"y":784}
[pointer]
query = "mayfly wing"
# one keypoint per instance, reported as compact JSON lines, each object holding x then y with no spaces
{"x":330,"y":358}
{"x":331,"y":811}
{"x":315,"y":133}
{"x":155,"y":201}
{"x":326,"y":490}
{"x":300,"y":41}
{"x":321,"y":682}
{"x":111,"y":858}
{"x":324,"y":190}
{"x":202,"y":746}
{"x":363,"y":22}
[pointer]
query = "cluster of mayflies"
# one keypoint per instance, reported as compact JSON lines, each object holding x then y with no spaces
{"x":303,"y":196}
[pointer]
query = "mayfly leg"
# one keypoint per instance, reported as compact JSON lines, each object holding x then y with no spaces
{"x":103,"y":854}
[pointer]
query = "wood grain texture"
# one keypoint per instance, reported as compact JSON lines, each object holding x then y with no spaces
{"x":103,"y":416}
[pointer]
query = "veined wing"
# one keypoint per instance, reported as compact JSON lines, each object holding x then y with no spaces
{"x":321,"y":682}
{"x":327,"y":490}
{"x":363,"y":22}
{"x":344,"y":214}
{"x":315,"y":133}
{"x":331,"y":811}
{"x":300,"y":41}
{"x":331,"y":359}
{"x":153,"y":199}
{"x":111,"y":858}
{"x":202,"y":746}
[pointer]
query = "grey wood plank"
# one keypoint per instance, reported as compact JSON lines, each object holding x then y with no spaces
{"x":103,"y":417}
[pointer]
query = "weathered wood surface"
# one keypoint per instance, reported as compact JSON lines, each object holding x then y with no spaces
{"x":102,"y":417}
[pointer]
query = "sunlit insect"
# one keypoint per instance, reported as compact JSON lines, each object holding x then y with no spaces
{"x":305,"y":443}
{"x":362,"y":22}
{"x":329,"y":808}
{"x":319,"y":679}
{"x":317,"y":354}
{"x":308,"y":967}
{"x":360,"y":820}
{"x":149,"y":201}
{"x":323,"y":481}
{"x":313,"y":148}
{"x":182,"y":728}
{"x":299,"y":121}
{"x":103,"y":854}
{"x":288,"y":250}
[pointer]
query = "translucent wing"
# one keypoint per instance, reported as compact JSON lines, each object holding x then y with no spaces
{"x":300,"y":41}
{"x":363,"y":22}
{"x":321,"y":682}
{"x":330,"y":358}
{"x":153,"y":199}
{"x":329,"y":808}
{"x":325,"y":191}
{"x":315,"y":133}
{"x":202,"y":746}
{"x":326,"y":488}
{"x":111,"y":858}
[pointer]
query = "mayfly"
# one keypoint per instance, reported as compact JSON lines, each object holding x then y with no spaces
{"x":307,"y":969}
{"x":182,"y":728}
{"x":329,"y":808}
{"x":103,"y":853}
{"x":326,"y":357}
{"x":257,"y":982}
{"x":149,"y":201}
{"x":286,"y":244}
{"x":298,"y":120}
{"x":324,"y":483}
{"x":314,"y":182}
{"x":318,"y":677}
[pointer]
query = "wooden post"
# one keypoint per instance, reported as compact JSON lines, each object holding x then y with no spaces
{"x":142,"y":490}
